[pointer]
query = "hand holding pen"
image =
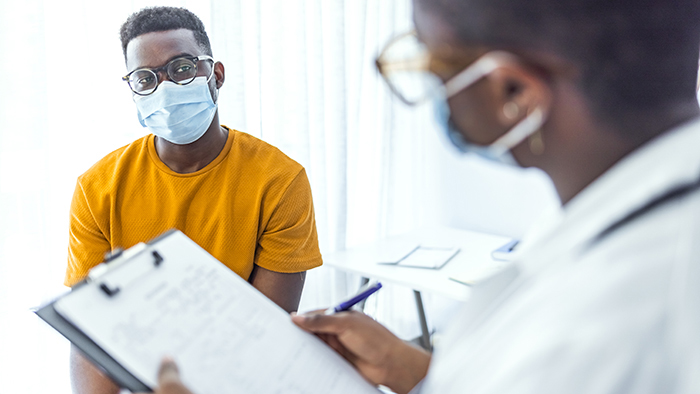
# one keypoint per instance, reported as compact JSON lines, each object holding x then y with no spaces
{"x":380,"y":356}
{"x":361,"y":295}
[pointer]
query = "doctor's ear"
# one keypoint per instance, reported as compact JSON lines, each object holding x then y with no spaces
{"x":219,"y":74}
{"x":518,"y":91}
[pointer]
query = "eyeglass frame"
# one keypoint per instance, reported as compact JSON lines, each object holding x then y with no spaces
{"x":157,"y":71}
{"x":481,"y":67}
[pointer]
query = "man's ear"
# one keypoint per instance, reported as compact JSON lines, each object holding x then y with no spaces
{"x":219,"y":74}
{"x":518,"y":91}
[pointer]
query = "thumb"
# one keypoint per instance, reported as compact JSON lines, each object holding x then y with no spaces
{"x":168,"y":372}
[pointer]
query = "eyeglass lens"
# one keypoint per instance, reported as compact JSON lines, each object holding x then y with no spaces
{"x":405,"y":65}
{"x":181,"y":71}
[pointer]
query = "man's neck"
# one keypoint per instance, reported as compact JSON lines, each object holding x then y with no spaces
{"x":185,"y":159}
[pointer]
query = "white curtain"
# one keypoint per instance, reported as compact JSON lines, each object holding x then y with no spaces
{"x":299,"y":74}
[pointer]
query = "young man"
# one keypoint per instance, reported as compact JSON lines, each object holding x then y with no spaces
{"x":241,"y":199}
{"x":605,"y":296}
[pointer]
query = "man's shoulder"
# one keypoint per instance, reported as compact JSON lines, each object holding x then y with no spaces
{"x":262,"y":155}
{"x":105,"y":168}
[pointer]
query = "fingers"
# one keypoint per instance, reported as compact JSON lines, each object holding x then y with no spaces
{"x":168,"y":371}
{"x":331,"y":328}
{"x":370,"y":347}
{"x":339,"y":347}
{"x":310,"y":323}
{"x":317,"y":322}
{"x":169,"y":378}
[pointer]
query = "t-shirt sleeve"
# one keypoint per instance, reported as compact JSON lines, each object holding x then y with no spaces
{"x":87,"y":243}
{"x":289,"y":242}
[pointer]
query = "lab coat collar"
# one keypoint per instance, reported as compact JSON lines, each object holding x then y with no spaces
{"x":668,"y":160}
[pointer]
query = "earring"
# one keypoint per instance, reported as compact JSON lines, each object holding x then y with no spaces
{"x":536,"y":143}
{"x":511,"y":110}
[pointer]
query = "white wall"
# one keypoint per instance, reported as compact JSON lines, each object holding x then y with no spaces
{"x":471,"y":193}
{"x":475,"y":194}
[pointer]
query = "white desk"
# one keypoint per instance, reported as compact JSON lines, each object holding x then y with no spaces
{"x":475,"y":253}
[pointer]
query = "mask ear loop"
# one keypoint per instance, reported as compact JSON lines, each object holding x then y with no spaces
{"x":215,"y":99}
{"x":482,"y":67}
{"x":519,"y":132}
{"x":212,"y":70}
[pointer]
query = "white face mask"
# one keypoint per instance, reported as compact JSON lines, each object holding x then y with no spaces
{"x":180,"y":114}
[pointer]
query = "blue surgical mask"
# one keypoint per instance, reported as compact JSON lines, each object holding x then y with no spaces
{"x":499,"y":150}
{"x":180,"y":114}
{"x":444,"y":120}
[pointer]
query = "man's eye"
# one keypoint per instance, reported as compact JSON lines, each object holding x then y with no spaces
{"x":183,"y":69}
{"x":145,"y":81}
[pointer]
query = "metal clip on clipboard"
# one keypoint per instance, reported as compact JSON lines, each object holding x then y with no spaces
{"x":115,"y":260}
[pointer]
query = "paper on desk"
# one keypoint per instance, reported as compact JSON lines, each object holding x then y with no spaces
{"x":473,"y":275}
{"x":225,"y":336}
{"x":425,"y":257}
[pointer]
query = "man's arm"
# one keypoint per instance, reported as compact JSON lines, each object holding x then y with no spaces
{"x":282,"y":288}
{"x":288,"y":245}
{"x":86,"y":378}
{"x":86,"y":247}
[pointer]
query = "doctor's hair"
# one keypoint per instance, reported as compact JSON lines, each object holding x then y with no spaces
{"x":153,"y":19}
{"x":634,"y":58}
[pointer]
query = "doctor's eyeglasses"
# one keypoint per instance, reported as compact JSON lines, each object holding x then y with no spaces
{"x":404,"y":64}
{"x":410,"y":70}
{"x":181,"y":71}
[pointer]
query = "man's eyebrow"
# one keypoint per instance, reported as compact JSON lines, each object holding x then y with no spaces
{"x":184,"y":54}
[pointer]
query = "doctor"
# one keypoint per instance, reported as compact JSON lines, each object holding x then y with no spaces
{"x":606,"y":295}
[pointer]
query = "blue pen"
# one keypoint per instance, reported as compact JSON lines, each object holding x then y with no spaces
{"x":364,"y":292}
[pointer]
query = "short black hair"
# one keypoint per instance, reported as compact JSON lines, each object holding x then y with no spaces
{"x":634,"y":56}
{"x":153,"y":19}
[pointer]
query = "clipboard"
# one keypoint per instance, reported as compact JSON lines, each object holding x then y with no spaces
{"x":110,"y":367}
{"x":93,"y":352}
{"x":232,"y":338}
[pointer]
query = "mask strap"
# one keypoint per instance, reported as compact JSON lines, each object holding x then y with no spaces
{"x":483,"y":66}
{"x":519,"y":132}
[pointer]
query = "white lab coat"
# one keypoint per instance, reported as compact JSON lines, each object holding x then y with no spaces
{"x":618,"y":316}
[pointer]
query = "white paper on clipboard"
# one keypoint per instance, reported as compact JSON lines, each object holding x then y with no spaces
{"x":225,"y":335}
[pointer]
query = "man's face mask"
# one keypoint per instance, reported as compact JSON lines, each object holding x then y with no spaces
{"x":179,"y":109}
{"x":180,"y":114}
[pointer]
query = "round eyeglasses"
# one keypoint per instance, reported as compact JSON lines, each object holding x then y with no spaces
{"x":409,"y":69}
{"x":181,"y":71}
{"x":404,"y":63}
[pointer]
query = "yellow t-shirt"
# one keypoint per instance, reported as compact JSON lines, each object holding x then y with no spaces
{"x":251,"y":205}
